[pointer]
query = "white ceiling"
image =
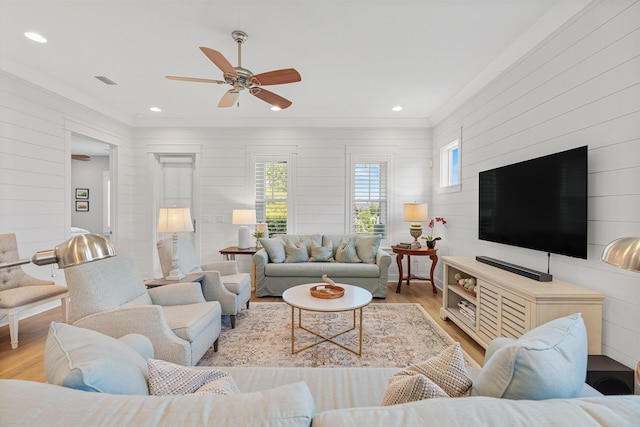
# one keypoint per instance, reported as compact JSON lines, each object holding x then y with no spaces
{"x":357,"y":58}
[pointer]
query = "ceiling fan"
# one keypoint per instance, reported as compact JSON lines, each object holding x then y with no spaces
{"x":241,"y":78}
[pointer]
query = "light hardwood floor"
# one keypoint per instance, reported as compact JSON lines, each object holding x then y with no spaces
{"x":26,"y":362}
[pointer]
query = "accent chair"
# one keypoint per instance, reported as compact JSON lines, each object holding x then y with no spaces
{"x":109,"y":296}
{"x":222,"y":280}
{"x":20,"y":291}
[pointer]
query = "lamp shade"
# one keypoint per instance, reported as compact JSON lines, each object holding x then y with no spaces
{"x":623,"y":253}
{"x":174,"y":220}
{"x":77,"y":250}
{"x":416,"y":212}
{"x":243,"y":217}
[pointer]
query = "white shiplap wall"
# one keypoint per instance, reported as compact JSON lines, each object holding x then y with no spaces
{"x":319,"y":176}
{"x":35,"y":165}
{"x":581,"y":86}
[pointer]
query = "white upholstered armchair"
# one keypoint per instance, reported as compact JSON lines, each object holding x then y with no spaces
{"x":110,"y":297}
{"x":222,"y":280}
{"x":19,"y":291}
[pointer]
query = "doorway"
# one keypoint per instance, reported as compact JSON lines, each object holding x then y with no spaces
{"x":91,"y":186}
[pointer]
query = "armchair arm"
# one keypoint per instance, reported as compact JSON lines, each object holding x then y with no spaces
{"x":226,"y":268}
{"x":260,"y":260}
{"x":214,"y":290}
{"x":32,"y":281}
{"x":177,"y":294}
{"x":147,"y":320}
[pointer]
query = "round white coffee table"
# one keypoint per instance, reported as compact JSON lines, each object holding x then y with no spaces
{"x":299,"y":297}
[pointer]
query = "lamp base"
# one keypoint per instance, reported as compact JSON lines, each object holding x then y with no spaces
{"x":244,"y":238}
{"x":416,"y":231}
{"x":175,"y":275}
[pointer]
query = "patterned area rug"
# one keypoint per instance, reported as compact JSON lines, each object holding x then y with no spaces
{"x":394,"y":335}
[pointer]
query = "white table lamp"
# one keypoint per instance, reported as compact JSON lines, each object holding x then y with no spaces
{"x":243,"y":218}
{"x":416,"y":213}
{"x":174,"y":220}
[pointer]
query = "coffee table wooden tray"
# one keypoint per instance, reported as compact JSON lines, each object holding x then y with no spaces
{"x":327,"y":291}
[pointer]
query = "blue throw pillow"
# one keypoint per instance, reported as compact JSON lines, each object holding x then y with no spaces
{"x":88,"y":360}
{"x":275,"y":249}
{"x":548,"y":362}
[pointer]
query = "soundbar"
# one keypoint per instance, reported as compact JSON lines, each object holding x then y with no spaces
{"x":522,"y":271}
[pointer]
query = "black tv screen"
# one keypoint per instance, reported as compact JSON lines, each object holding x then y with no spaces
{"x":537,"y":204}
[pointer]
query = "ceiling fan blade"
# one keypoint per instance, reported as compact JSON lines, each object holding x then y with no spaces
{"x":270,"y":97}
{"x":81,"y":157}
{"x":219,"y":60}
{"x":277,"y":77}
{"x":194,"y":79}
{"x":229,"y":98}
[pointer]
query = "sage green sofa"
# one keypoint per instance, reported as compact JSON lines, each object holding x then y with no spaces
{"x":277,"y":271}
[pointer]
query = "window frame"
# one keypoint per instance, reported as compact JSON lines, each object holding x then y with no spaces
{"x":356,"y":159}
{"x":450,"y":166}
{"x":271,"y":160}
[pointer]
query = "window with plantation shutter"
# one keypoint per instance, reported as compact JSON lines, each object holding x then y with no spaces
{"x":271,"y":181}
{"x":369,"y":203}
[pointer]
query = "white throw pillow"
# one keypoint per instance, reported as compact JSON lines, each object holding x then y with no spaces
{"x":275,"y":249}
{"x":167,"y":378}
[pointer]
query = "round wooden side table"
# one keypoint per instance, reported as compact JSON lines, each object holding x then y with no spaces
{"x":409,"y":252}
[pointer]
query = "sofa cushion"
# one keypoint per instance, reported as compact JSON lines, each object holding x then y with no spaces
{"x":188,"y":321}
{"x":295,"y":252}
{"x":321,"y":253}
{"x":367,"y":248}
{"x":166,"y":378}
{"x":275,"y":249}
{"x":88,"y":360}
{"x":547,"y":362}
{"x":346,"y":252}
{"x":444,"y":375}
{"x":27,"y":403}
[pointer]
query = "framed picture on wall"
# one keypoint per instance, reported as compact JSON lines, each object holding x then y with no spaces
{"x":82,"y":206}
{"x":82,"y":193}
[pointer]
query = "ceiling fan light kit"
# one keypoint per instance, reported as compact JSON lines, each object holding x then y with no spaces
{"x":240,"y":78}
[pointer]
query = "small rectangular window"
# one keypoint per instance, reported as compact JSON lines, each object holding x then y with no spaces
{"x":272,"y":186}
{"x":369,"y":198}
{"x":450,"y":164}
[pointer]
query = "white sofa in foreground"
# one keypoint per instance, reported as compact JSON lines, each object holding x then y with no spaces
{"x":320,"y":397}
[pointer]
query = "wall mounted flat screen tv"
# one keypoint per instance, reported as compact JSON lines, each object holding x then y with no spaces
{"x":537,"y":204}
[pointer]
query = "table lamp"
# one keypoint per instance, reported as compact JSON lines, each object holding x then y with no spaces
{"x":174,"y":220}
{"x":416,"y":213}
{"x":243,"y":218}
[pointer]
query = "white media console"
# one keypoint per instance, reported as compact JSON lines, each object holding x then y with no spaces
{"x":508,"y":305}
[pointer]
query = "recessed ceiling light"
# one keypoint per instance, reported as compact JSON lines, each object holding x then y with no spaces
{"x":155,"y":109}
{"x":274,"y":108}
{"x":35,"y":37}
{"x":397,"y":108}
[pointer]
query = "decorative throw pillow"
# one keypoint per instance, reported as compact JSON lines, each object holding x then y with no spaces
{"x":321,"y":253}
{"x":296,"y":252}
{"x":367,"y":248}
{"x":548,"y":362}
{"x":275,"y":249}
{"x":444,"y":375}
{"x":346,"y":252}
{"x":87,"y":360}
{"x":166,"y":378}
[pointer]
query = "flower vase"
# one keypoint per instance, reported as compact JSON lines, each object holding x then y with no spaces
{"x":431,"y":244}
